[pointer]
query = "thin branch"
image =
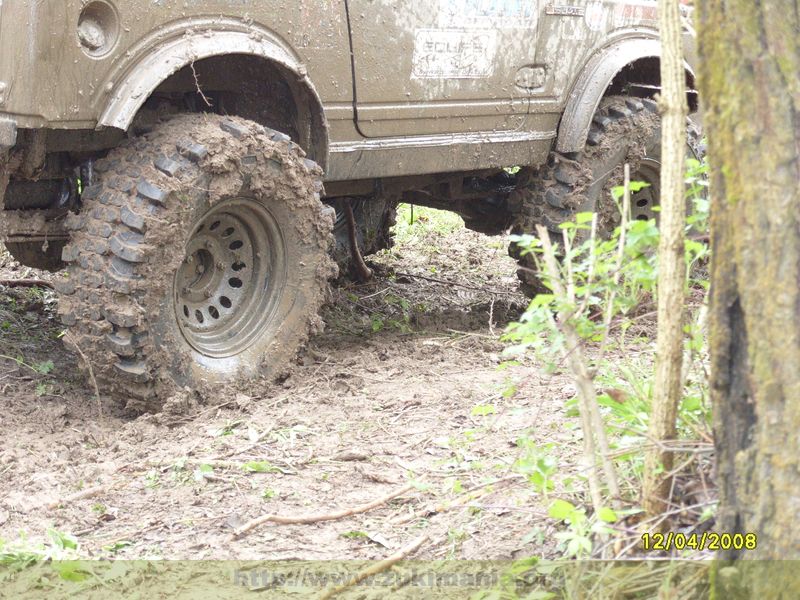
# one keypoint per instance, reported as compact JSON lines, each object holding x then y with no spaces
{"x":197,"y":87}
{"x":26,"y":283}
{"x":385,"y":564}
{"x":68,"y":337}
{"x":577,"y":366}
{"x":81,"y":495}
{"x":455,"y":284}
{"x":317,"y":518}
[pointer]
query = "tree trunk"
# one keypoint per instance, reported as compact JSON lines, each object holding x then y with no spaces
{"x":667,"y":390}
{"x":750,"y":84}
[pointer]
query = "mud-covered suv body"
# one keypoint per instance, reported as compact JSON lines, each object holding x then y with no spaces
{"x":172,"y":153}
{"x":371,"y":89}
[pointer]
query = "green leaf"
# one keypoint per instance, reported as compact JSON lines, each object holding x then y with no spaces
{"x":691,"y":404}
{"x":607,"y":515}
{"x":202,"y":471}
{"x":561,"y":510}
{"x":482,"y":410}
{"x":70,"y":570}
{"x":45,"y":367}
{"x":62,"y":541}
{"x":260,"y":466}
{"x":353,"y":535}
{"x":117,"y":546}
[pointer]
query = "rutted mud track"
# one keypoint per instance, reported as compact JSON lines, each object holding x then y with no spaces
{"x":386,"y":395}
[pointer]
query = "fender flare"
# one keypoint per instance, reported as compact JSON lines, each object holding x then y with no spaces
{"x":591,"y":85}
{"x":164,"y":53}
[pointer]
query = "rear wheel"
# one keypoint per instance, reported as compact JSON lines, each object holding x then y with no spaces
{"x":200,"y":257}
{"x":624,"y":130}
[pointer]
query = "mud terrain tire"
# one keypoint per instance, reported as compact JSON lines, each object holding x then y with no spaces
{"x":624,"y":130}
{"x":200,"y":256}
{"x":32,"y":255}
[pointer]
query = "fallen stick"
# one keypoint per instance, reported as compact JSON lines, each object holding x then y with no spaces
{"x":334,"y":516}
{"x":376,"y":568}
{"x":26,"y":283}
{"x":215,"y":464}
{"x":461,"y":500}
{"x":81,"y":495}
{"x":456,"y":284}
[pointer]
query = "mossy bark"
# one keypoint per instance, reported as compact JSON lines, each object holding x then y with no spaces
{"x":750,"y":85}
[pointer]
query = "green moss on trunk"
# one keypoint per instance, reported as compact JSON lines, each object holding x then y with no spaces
{"x":750,"y":84}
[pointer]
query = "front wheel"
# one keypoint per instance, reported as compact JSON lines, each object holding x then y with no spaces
{"x":200,"y":256}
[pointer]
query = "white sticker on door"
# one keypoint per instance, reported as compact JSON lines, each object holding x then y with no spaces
{"x":487,"y":14}
{"x":454,"y":54}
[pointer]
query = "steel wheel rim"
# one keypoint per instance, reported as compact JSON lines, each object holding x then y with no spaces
{"x":644,"y":202}
{"x":231,"y":280}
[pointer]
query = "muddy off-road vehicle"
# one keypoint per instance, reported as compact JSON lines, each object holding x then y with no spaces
{"x":171,"y":154}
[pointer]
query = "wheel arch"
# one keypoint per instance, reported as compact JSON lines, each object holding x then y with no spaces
{"x":605,"y":72}
{"x":161,"y":57}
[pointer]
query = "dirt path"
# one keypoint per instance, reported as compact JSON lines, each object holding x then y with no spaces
{"x":404,"y":386}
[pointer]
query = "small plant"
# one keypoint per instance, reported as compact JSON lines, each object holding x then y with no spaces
{"x":537,"y":464}
{"x":22,"y":554}
{"x":152,"y":479}
{"x":576,"y":541}
{"x":414,"y":222}
{"x":203,"y":472}
{"x":596,"y":290}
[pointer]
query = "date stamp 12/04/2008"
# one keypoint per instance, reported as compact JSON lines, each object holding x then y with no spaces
{"x":709,"y":540}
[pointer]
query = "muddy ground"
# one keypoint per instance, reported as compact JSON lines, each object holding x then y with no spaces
{"x":404,"y":386}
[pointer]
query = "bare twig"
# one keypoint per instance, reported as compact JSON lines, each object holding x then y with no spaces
{"x":455,"y":284}
{"x":462,"y":500}
{"x":592,"y":263}
{"x":26,"y":283}
{"x":491,"y":316}
{"x":68,"y":337}
{"x":362,"y":271}
{"x":81,"y":495}
{"x":20,"y":363}
{"x":303,"y":519}
{"x":383,"y":565}
{"x":587,"y":394}
{"x":197,"y":87}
